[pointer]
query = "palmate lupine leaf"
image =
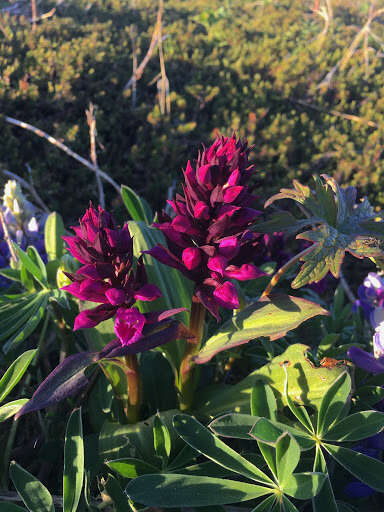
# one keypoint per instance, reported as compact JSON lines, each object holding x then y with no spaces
{"x":340,"y":225}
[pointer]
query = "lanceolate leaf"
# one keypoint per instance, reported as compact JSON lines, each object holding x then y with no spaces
{"x":357,"y":426}
{"x":69,"y":377}
{"x":14,"y":373}
{"x":334,"y":402}
{"x":202,"y":440}
{"x":271,"y":317}
{"x":11,"y":408}
{"x":65,"y":380}
{"x":367,"y":469}
{"x":245,"y":426}
{"x":190,"y":491}
{"x":263,"y":401}
{"x":132,"y":468}
{"x":325,"y":500}
{"x":73,"y":475}
{"x":287,"y":457}
{"x":34,"y":494}
{"x":53,"y":232}
{"x":304,"y":486}
{"x":137,"y":207}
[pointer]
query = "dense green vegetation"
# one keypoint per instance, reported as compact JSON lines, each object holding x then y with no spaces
{"x":233,"y":65}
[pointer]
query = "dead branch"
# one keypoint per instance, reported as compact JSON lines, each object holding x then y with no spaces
{"x":64,"y":148}
{"x":154,"y":41}
{"x":336,"y":113}
{"x":91,"y":120}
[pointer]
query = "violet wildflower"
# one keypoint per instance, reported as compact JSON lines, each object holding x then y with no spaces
{"x":371,"y":300}
{"x":209,"y":239}
{"x":107,"y":276}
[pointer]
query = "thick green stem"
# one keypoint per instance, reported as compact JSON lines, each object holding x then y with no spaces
{"x":132,"y":405}
{"x":188,"y":376}
{"x":276,"y":278}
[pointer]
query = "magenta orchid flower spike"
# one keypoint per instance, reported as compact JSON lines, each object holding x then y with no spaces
{"x":209,"y":239}
{"x":107,"y":276}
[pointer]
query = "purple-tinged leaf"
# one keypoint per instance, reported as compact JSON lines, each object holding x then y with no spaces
{"x":67,"y":379}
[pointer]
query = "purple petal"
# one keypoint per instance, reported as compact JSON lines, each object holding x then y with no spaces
{"x":204,"y":175}
{"x":201,"y":210}
{"x":92,"y":317}
{"x":163,"y":255}
{"x":191,"y":257}
{"x":116,"y":296}
{"x":226,"y":296}
{"x":129,"y":324}
{"x":217,"y":264}
{"x":182,"y":224}
{"x":365,"y":360}
{"x":232,"y":193}
{"x":147,"y":293}
{"x":229,"y":247}
{"x":234,"y":178}
{"x":244,"y":273}
{"x":96,"y":270}
{"x":159,"y":316}
{"x":77,"y":249}
{"x":205,"y":296}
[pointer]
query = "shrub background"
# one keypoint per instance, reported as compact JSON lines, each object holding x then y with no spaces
{"x":232,"y":65}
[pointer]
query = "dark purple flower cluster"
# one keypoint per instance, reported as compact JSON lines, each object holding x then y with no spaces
{"x":107,"y":276}
{"x":209,"y":239}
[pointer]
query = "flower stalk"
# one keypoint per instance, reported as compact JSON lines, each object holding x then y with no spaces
{"x":132,"y":405}
{"x":283,"y":270}
{"x":188,"y":376}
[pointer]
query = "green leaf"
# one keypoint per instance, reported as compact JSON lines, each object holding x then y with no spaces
{"x":161,"y":439}
{"x":6,"y":506}
{"x":131,"y":468}
{"x":190,"y":491}
{"x":265,"y":431}
{"x":202,"y":440}
{"x":176,"y":289}
{"x":324,"y":501}
{"x":34,"y":494}
{"x":241,"y":426}
{"x":333,"y":403}
{"x":300,"y":412}
{"x":368,"y":396}
{"x":33,"y":253}
{"x":357,"y":426}
{"x":11,"y":408}
{"x":31,"y":266}
{"x":272,"y":317}
{"x":14,"y":373}
{"x":344,"y":227}
{"x":287,"y":457}
{"x":11,"y":273}
{"x":269,"y":455}
{"x":304,"y":486}
{"x":367,"y":469}
{"x":208,"y":468}
{"x":53,"y":231}
{"x":73,"y":475}
{"x":263,"y":401}
{"x":26,"y":328}
{"x":307,"y":384}
{"x":266,"y":505}
{"x":116,"y":494}
{"x":137,"y":207}
{"x":288,"y":506}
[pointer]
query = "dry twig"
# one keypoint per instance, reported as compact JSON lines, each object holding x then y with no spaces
{"x":91,"y":120}
{"x":154,"y":41}
{"x":64,"y":148}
